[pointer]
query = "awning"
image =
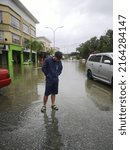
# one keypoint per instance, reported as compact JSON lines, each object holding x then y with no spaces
{"x":28,"y":51}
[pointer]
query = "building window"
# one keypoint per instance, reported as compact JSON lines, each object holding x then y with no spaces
{"x":26,"y":29}
{"x":1,"y":18}
{"x":1,"y":36}
{"x":32,"y":33}
{"x":15,"y":22}
{"x":106,"y":58}
{"x":16,"y":39}
{"x":26,"y":43}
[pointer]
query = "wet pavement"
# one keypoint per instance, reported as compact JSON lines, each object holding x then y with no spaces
{"x":84,"y":120}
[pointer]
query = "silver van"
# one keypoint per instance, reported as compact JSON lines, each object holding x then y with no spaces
{"x":100,"y":66}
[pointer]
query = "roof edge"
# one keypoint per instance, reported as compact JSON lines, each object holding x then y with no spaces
{"x":20,"y":5}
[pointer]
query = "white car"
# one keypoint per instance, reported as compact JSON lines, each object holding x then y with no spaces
{"x":100,"y":66}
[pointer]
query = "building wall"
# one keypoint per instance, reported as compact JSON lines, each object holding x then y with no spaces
{"x":14,"y":7}
{"x":8,"y":29}
{"x":16,"y":26}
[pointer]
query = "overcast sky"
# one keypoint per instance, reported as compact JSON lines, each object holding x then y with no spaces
{"x":82,"y":19}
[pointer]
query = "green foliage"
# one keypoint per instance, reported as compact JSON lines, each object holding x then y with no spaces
{"x":51,"y":51}
{"x":103,"y":44}
{"x":37,"y":46}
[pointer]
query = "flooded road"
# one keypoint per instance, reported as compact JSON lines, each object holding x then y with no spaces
{"x":84,"y":120}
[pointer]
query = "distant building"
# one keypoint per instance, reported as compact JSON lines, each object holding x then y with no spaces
{"x":17,"y":26}
{"x":46,"y":42}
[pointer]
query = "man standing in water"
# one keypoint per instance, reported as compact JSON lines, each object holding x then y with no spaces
{"x":52,"y":68}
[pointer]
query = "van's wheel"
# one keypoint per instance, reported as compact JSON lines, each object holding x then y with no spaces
{"x":89,"y":75}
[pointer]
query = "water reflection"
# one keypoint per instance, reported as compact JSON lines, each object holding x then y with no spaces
{"x":24,"y":87}
{"x":100,"y":94}
{"x":53,"y":136}
{"x":15,"y":70}
{"x":4,"y":101}
{"x":82,"y":66}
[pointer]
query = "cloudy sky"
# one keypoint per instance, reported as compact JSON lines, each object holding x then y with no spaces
{"x":82,"y":19}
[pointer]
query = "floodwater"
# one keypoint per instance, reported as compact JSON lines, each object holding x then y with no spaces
{"x":84,"y":120}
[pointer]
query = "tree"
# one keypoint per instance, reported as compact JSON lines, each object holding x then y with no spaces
{"x":109,"y":35}
{"x":106,"y":42}
{"x":103,"y":44}
{"x":35,"y":46}
{"x":85,"y":49}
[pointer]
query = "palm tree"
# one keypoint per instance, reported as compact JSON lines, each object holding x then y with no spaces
{"x":36,"y":46}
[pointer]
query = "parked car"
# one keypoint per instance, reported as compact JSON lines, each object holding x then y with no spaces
{"x":5,"y":79}
{"x":100,"y":66}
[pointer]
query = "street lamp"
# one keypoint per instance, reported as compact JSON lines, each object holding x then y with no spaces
{"x":54,"y":30}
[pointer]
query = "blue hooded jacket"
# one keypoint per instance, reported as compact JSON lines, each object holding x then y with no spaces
{"x":52,"y":69}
